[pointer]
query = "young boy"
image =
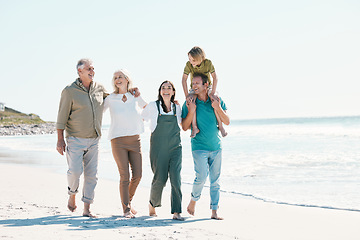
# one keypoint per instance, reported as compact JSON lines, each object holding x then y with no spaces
{"x":199,"y":64}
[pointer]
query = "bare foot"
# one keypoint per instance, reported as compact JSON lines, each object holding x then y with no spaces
{"x":87,"y":212}
{"x":152,"y":211}
{"x":191,"y":207}
{"x":223,"y":132}
{"x":177,"y":216}
{"x":129,"y":215}
{"x":194,"y":131}
{"x":215,"y":216}
{"x":71,"y":203}
{"x":132,"y":210}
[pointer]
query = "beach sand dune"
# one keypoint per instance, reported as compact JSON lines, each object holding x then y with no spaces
{"x":33,"y":206}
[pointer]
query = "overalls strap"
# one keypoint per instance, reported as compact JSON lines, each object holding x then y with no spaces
{"x":158,"y":107}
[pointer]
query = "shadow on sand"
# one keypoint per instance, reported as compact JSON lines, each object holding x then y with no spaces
{"x":84,"y":223}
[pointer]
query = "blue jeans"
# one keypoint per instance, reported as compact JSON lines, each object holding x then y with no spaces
{"x":207,"y":163}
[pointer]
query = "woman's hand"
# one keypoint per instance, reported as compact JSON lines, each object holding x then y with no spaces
{"x":134,"y":91}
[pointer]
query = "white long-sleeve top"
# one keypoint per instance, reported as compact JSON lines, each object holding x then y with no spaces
{"x":126,"y":117}
{"x":150,"y":113}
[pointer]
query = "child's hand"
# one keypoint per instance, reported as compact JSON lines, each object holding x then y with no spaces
{"x":176,"y":102}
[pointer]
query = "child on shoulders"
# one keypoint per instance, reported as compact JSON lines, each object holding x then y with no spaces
{"x":199,"y":64}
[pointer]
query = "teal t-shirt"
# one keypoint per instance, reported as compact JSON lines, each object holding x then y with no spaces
{"x":208,"y":138}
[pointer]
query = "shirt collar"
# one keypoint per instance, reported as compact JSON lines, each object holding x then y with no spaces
{"x":200,"y":101}
{"x":79,"y":83}
{"x":197,"y":67}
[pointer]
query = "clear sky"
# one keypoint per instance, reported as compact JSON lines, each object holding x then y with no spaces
{"x":273,"y":58}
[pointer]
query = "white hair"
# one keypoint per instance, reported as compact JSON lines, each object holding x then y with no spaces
{"x":81,"y":63}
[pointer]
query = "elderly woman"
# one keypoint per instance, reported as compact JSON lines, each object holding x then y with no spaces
{"x":165,"y":148}
{"x":124,"y":133}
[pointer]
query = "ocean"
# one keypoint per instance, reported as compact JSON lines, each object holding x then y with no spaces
{"x":313,"y":162}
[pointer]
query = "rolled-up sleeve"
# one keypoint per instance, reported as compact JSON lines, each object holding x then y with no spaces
{"x":178,"y":114}
{"x":64,"y":110}
{"x":187,"y":68}
{"x":141,"y":102}
{"x":145,"y":114}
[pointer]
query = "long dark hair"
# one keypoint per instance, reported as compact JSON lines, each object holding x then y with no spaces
{"x":162,"y":100}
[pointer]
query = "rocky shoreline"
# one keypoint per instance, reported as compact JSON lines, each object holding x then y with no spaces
{"x":27,"y":129}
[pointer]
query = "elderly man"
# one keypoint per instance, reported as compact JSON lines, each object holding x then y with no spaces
{"x":206,"y":145}
{"x":80,"y":115}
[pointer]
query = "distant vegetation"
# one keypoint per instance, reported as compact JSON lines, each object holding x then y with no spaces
{"x":13,"y":117}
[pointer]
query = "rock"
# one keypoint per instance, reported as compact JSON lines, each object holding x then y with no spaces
{"x":24,"y":129}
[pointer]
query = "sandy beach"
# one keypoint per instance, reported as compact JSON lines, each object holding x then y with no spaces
{"x":33,"y":206}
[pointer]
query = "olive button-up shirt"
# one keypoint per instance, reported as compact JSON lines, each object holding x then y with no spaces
{"x":80,"y":111}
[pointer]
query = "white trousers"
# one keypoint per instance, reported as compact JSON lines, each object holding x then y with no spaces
{"x":82,"y":156}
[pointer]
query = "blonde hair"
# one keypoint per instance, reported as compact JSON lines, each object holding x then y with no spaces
{"x":127,"y":77}
{"x":197,"y":53}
